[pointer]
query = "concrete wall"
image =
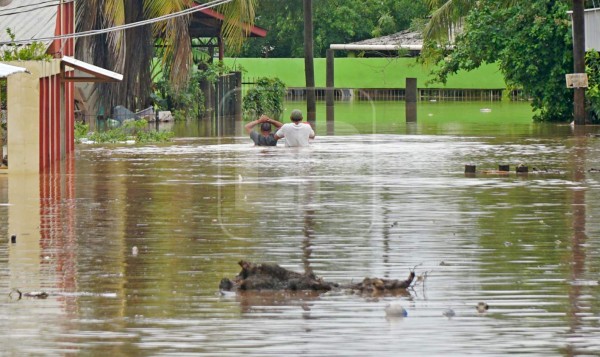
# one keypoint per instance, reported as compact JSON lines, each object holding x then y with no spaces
{"x":23,"y":102}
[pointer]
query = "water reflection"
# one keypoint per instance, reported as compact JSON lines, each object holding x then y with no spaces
{"x":345,"y":208}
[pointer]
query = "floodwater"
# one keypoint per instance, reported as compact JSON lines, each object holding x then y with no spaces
{"x":130,"y":242}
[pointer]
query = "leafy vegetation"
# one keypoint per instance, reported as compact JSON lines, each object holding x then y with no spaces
{"x":33,"y":51}
{"x":531,"y":42}
{"x":592,"y":62}
{"x":134,"y":49}
{"x":130,"y":130}
{"x":335,"y":21}
{"x":184,"y":103}
{"x":265,"y":98}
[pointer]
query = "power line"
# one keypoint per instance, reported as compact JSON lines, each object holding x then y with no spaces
{"x":188,"y":11}
{"x":38,"y":6}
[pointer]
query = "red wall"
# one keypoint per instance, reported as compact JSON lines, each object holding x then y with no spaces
{"x":50,"y":95}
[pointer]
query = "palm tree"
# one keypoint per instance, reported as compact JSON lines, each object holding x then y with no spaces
{"x":131,"y":51}
{"x":447,"y":16}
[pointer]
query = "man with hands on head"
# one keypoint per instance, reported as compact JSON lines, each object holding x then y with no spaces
{"x":266,"y":137}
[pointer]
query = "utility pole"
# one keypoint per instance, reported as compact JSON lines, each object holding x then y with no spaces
{"x":309,"y":68}
{"x":578,"y":60}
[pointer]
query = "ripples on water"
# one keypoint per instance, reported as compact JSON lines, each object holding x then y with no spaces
{"x":347,"y":207}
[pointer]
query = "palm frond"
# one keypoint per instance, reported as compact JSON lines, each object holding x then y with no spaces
{"x":446,"y":18}
{"x":239,"y":19}
{"x":177,"y":51}
{"x":114,"y":15}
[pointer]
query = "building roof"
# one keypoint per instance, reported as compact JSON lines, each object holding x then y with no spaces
{"x":96,"y":74}
{"x":404,"y":39}
{"x":208,"y":22}
{"x":28,"y":19}
{"x":6,"y":70}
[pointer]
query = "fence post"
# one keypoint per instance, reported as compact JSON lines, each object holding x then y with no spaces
{"x":330,"y":92}
{"x":238,"y":96}
{"x":411,"y":100}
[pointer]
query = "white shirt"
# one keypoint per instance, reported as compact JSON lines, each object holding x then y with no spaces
{"x":295,"y":134}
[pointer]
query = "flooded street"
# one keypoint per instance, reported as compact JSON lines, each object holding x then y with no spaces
{"x":132,"y":241}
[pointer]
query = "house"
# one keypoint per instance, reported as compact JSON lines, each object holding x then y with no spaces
{"x":40,"y":103}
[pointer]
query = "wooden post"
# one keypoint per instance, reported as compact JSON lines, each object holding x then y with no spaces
{"x":411,"y":100}
{"x":330,"y":92}
{"x":309,"y":68}
{"x":578,"y":60}
{"x":238,"y":96}
{"x":62,"y":126}
{"x":1,"y":130}
{"x":522,"y":169}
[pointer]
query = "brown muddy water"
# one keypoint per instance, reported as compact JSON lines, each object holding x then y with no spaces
{"x":348,"y":207}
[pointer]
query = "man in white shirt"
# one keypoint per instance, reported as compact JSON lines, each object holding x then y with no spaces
{"x":295,"y":133}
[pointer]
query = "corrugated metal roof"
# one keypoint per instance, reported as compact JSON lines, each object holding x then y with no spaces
{"x":28,"y":19}
{"x":402,"y":38}
{"x":592,"y":29}
{"x":6,"y":70}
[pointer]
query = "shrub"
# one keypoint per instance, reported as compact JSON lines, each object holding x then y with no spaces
{"x":592,"y":68}
{"x":265,"y":98}
{"x":130,"y":130}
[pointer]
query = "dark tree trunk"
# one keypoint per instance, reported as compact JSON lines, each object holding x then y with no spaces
{"x":309,"y":68}
{"x":579,"y":59}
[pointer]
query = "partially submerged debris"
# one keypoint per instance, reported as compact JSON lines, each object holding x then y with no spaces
{"x":273,"y":277}
{"x":267,"y":276}
{"x":34,"y":294}
{"x":371,"y":285}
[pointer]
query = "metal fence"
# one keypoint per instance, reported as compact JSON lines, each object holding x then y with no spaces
{"x":398,"y":94}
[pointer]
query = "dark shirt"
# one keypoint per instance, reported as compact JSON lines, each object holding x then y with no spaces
{"x":261,"y":140}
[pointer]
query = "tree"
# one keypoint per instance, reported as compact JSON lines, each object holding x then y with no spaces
{"x":448,"y":15}
{"x":131,"y":51}
{"x":532,"y":43}
{"x":309,"y":67}
{"x":335,"y":21}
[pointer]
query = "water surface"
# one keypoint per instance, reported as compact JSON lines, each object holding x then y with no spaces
{"x":361,"y":203}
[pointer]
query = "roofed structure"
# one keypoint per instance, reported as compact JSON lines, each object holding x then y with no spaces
{"x":205,"y":25}
{"x":408,"y":40}
{"x":31,"y":19}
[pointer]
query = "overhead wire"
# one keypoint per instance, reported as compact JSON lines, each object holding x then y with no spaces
{"x":88,"y":33}
{"x":38,"y":6}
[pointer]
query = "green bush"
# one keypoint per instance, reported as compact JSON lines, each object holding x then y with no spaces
{"x":130,"y":130}
{"x":186,"y":103}
{"x":265,"y":98}
{"x":592,"y":68}
{"x":81,"y":131}
{"x":33,"y":51}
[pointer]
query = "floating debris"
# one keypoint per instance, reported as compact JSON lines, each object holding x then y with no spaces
{"x":449,"y":313}
{"x":395,"y":310}
{"x":482,"y":307}
{"x":268,"y":276}
{"x":33,"y":294}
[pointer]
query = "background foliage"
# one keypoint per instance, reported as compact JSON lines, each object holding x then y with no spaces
{"x":532,"y":43}
{"x":592,"y":62}
{"x":335,"y":21}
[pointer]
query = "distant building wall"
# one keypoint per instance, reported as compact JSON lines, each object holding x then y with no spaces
{"x":33,"y":102}
{"x":592,"y":29}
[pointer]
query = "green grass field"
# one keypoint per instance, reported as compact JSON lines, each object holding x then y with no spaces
{"x":365,"y":73}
